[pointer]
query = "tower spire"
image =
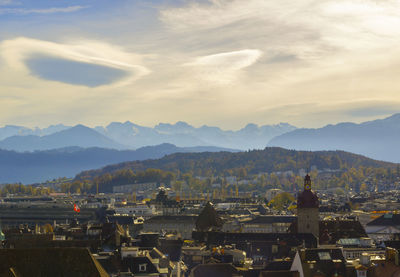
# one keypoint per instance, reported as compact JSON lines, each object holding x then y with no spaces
{"x":308,"y":210}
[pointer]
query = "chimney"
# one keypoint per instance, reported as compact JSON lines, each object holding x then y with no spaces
{"x":302,"y":254}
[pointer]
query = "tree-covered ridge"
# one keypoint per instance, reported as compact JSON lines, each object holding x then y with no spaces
{"x":256,"y":170}
{"x":271,"y":159}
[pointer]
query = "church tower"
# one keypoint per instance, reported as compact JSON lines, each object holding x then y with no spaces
{"x":308,"y":210}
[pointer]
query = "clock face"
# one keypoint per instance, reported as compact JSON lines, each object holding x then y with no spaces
{"x":307,"y":187}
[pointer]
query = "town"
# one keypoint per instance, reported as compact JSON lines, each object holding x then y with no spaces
{"x":319,"y":233}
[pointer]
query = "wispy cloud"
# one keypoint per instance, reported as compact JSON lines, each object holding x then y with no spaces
{"x":219,"y":13}
{"x":309,"y":29}
{"x":52,"y":10}
{"x":265,"y":60}
{"x":222,"y":68}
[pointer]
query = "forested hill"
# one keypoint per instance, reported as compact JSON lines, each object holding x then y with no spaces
{"x":271,"y":159}
{"x":39,"y":166}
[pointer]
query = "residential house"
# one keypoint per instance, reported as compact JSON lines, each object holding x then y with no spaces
{"x":182,"y":224}
{"x":314,"y":262}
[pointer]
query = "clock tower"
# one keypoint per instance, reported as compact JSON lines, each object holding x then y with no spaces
{"x":308,"y":210}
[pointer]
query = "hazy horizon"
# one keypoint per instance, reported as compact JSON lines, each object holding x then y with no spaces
{"x":193,"y":125}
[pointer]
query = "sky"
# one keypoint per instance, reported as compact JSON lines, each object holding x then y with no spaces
{"x":222,"y":63}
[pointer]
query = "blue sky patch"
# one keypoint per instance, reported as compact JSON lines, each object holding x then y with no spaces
{"x":73,"y":72}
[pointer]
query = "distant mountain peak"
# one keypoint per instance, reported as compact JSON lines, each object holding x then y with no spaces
{"x":78,"y":135}
{"x":393,"y":117}
{"x":128,"y":135}
{"x":114,"y":124}
{"x":377,"y":139}
{"x":182,"y":124}
{"x":55,"y":125}
{"x":79,"y":126}
{"x":284,"y":124}
{"x":251,"y":126}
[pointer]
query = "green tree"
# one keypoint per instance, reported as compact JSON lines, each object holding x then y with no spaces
{"x":281,"y":201}
{"x":363,"y":187}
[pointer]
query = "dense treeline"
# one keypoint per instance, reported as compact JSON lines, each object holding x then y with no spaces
{"x":358,"y":179}
{"x":107,"y":181}
{"x":20,"y":189}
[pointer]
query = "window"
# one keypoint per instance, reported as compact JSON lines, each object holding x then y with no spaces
{"x":197,"y":258}
{"x":142,"y":267}
{"x":324,"y":256}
